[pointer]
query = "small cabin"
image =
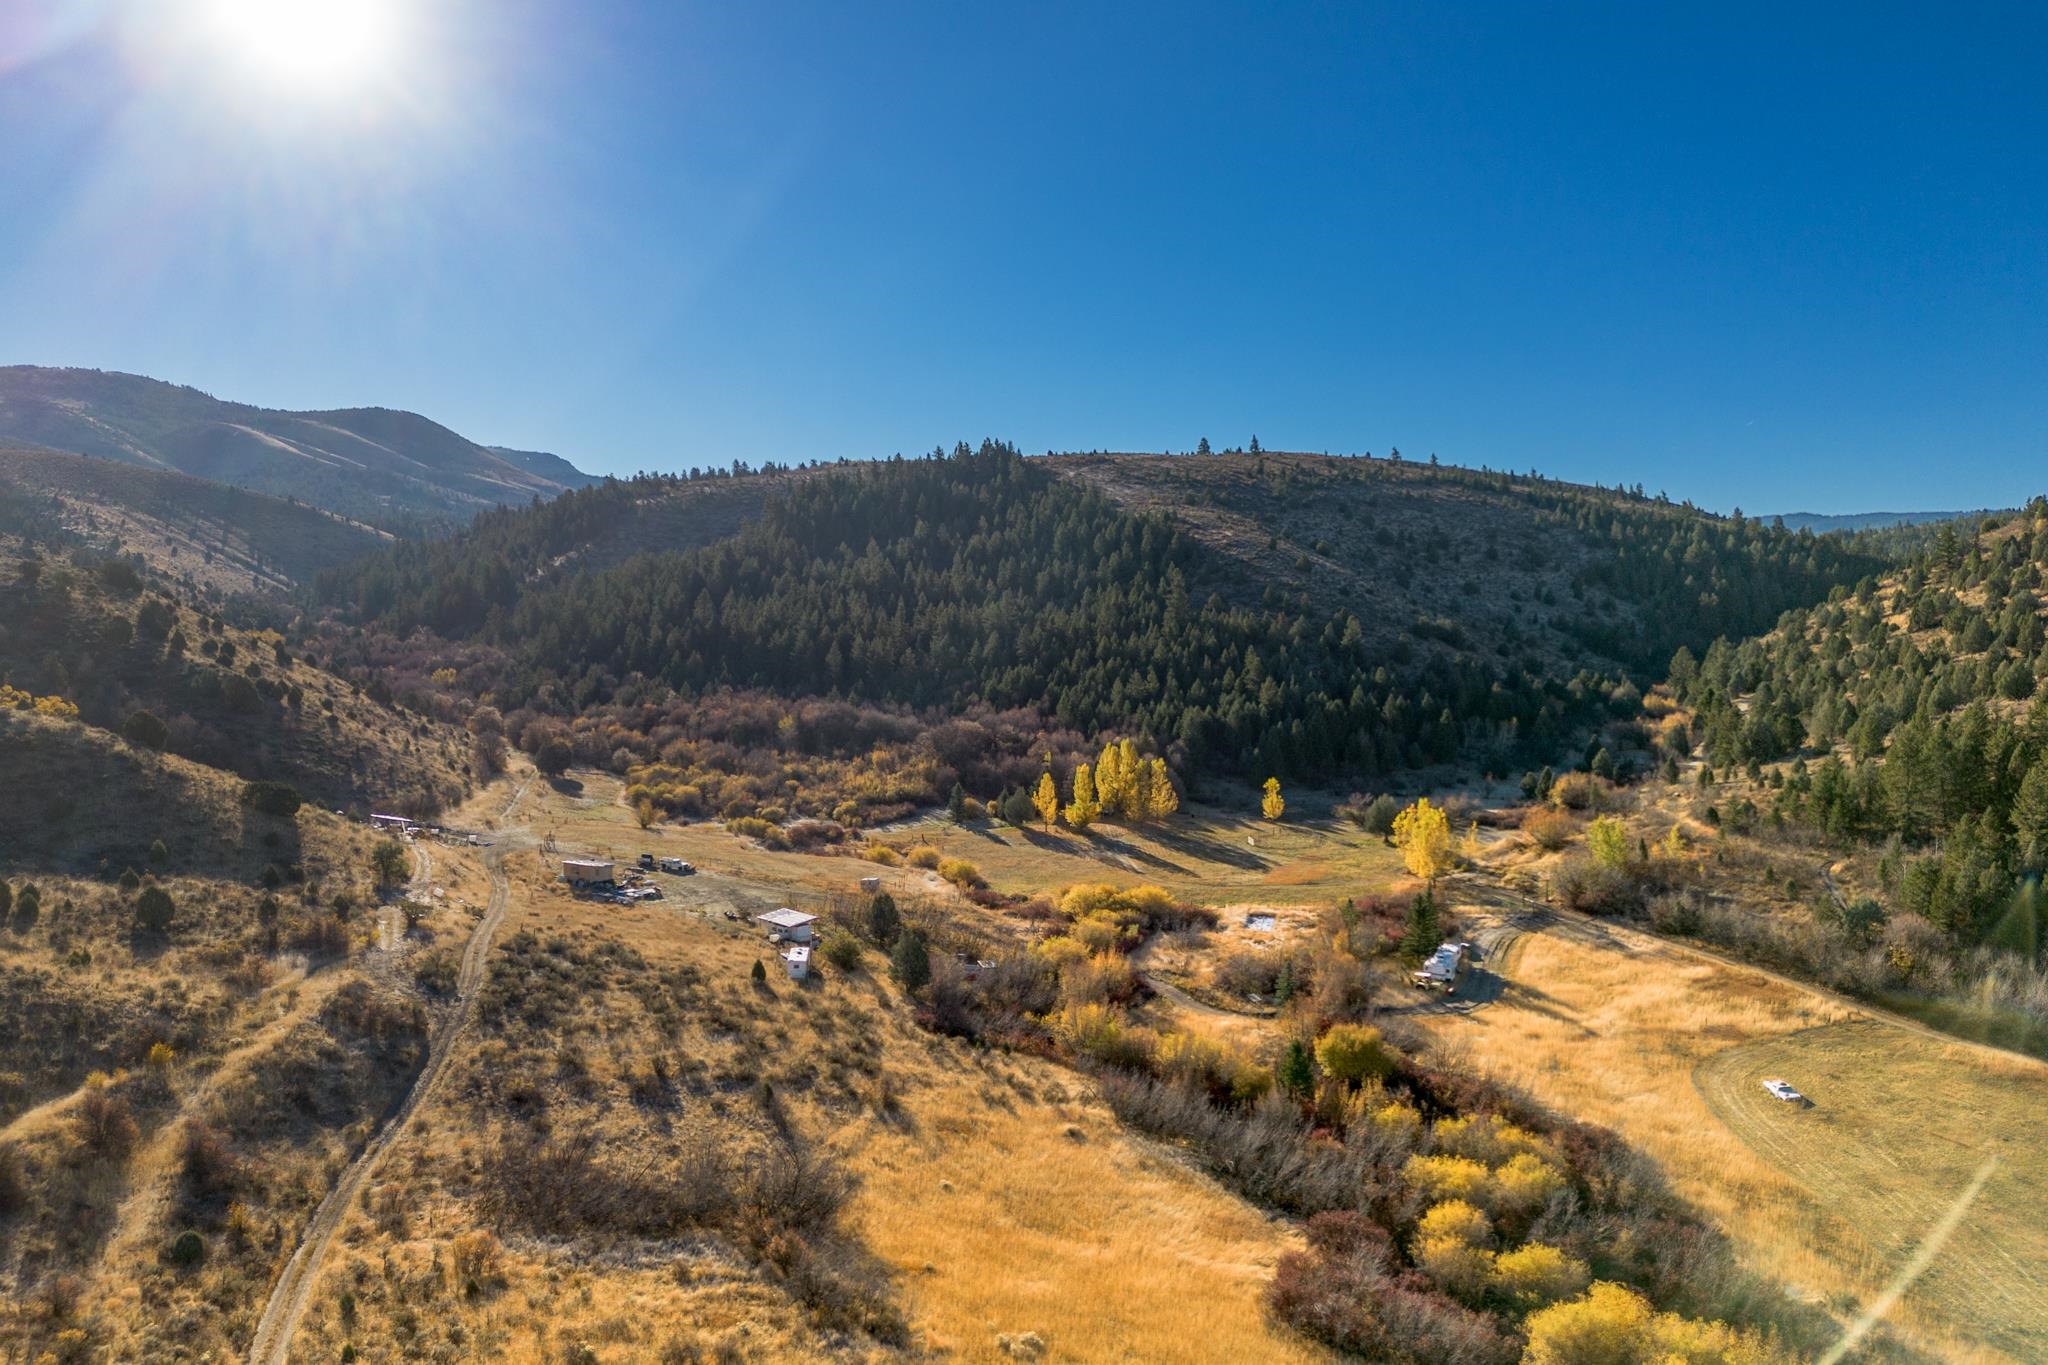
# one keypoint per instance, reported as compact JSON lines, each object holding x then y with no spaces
{"x":587,"y":872}
{"x":787,"y":925}
{"x":391,"y":824}
{"x":871,"y":884}
{"x":796,"y":960}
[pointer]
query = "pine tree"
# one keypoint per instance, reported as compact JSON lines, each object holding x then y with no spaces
{"x":2030,"y":817}
{"x":911,"y":962}
{"x":1047,"y":799}
{"x":1084,"y":808}
{"x":956,"y":804}
{"x":1425,"y":929}
{"x":1297,"y":1070}
{"x":884,"y":922}
{"x":1273,"y":805}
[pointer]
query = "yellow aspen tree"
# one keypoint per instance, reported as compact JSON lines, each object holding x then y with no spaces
{"x":1423,"y":834}
{"x":1273,"y":805}
{"x":1083,"y":809}
{"x":1141,"y":792}
{"x":1129,"y":774}
{"x":1164,"y":799}
{"x":1110,"y":780}
{"x":1047,"y":799}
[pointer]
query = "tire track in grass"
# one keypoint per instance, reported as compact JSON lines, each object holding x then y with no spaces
{"x":271,"y":1344}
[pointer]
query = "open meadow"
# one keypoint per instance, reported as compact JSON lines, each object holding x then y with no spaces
{"x":1669,"y":1047}
{"x":1011,"y":1215}
{"x":1601,"y":1021}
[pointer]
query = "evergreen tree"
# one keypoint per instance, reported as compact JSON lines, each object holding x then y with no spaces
{"x":2030,"y":818}
{"x":956,"y":804}
{"x":883,"y":920}
{"x":153,"y":909}
{"x":1424,"y":931}
{"x":911,"y":961}
{"x":1297,"y":1070}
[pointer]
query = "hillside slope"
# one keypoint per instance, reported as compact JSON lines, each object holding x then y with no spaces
{"x":1920,"y":697}
{"x":1293,"y":614}
{"x":390,"y":469}
{"x":115,"y":643}
{"x":208,"y":534}
{"x":1558,"y":575}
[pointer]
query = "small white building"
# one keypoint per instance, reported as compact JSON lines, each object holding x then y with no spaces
{"x":871,"y":884}
{"x":796,"y":960}
{"x":787,"y":925}
{"x":394,"y":824}
{"x":581,"y":872}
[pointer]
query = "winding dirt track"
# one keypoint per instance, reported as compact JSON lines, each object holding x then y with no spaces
{"x":272,"y":1342}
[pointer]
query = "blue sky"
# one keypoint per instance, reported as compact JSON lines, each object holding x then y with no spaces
{"x":1782,"y":258}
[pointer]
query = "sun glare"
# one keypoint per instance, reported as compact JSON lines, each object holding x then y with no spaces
{"x":306,"y":44}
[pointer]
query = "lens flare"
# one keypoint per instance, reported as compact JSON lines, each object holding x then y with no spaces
{"x":306,"y":44}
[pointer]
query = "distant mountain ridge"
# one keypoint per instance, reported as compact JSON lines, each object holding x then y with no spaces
{"x":391,"y":469}
{"x":231,"y":539}
{"x":1820,"y":523}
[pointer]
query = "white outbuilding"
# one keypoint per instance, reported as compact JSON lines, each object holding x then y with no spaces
{"x":787,"y":926}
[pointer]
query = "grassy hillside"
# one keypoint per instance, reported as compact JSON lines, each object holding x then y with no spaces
{"x":395,"y":470}
{"x":177,"y":1090}
{"x":115,"y":644}
{"x":210,"y":535}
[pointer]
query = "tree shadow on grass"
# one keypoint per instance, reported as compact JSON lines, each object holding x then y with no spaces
{"x":1123,"y":848}
{"x":1213,"y":850}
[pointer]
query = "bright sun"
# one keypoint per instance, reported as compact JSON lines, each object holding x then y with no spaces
{"x":331,"y":44}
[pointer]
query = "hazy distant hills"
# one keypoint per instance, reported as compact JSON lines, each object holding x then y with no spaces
{"x":396,"y":470}
{"x":229,"y":539}
{"x":1821,"y":523}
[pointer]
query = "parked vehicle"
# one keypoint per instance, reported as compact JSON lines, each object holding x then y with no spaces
{"x":676,"y":866}
{"x":647,"y":861}
{"x":1445,"y":968}
{"x":1782,"y":1091}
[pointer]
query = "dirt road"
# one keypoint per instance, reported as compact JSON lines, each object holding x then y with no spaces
{"x":271,"y":1344}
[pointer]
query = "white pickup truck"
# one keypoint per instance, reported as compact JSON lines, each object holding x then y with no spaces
{"x":1444,"y":968}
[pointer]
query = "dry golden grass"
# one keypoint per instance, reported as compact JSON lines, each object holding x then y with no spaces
{"x":1613,"y":1026}
{"x":1000,"y":1193}
{"x":1204,"y":855}
{"x":1011,"y":1202}
{"x":1900,"y":1125}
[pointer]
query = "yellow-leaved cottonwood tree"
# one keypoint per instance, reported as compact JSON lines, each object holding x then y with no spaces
{"x":1273,"y":805}
{"x":1161,"y":799}
{"x":1423,"y":834}
{"x":1047,"y":800}
{"x":1085,"y":807}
